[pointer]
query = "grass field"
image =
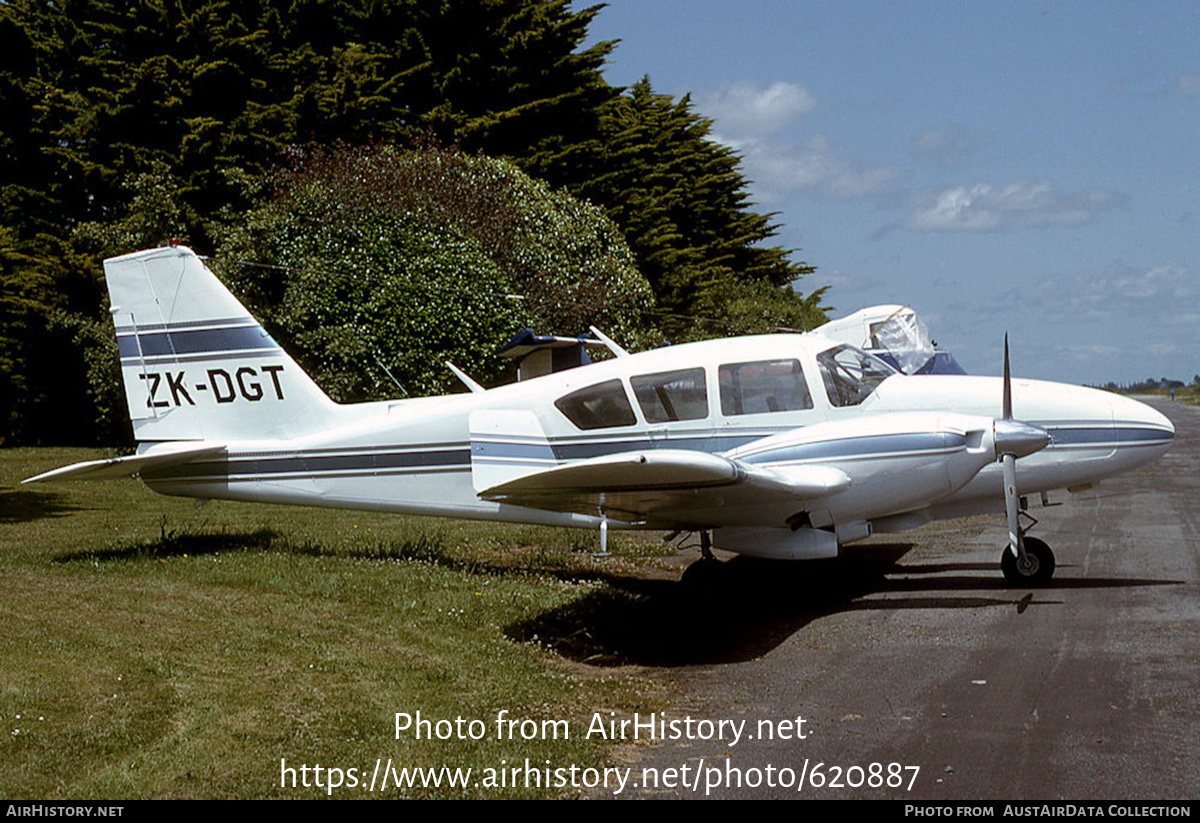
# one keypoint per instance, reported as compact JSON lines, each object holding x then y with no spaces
{"x":154,"y":649}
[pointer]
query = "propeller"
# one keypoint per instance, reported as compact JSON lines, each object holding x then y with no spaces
{"x":1015,"y":438}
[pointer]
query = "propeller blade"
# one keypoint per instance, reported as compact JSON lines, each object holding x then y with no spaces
{"x":1011,"y":505}
{"x":1015,"y":437}
{"x":1007,"y":383}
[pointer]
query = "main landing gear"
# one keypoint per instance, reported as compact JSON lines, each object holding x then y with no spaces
{"x":707,"y":571}
{"x":1034,"y":568}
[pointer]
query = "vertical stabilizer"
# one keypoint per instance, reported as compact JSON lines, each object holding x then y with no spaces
{"x":195,"y":364}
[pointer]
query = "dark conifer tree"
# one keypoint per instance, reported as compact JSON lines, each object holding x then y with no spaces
{"x":97,"y":94}
{"x":683,"y":203}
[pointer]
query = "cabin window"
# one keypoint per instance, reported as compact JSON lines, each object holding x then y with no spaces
{"x":851,"y":375}
{"x":672,"y":395}
{"x":763,"y":387}
{"x":601,"y":406}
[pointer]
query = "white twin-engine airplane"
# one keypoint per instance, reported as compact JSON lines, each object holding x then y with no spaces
{"x":777,"y":446}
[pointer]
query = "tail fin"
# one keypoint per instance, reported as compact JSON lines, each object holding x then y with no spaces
{"x":195,"y":364}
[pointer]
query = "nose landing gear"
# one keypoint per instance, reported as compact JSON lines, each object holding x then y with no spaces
{"x":1034,"y":568}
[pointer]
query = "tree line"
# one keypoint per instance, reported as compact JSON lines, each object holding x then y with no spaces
{"x":368,"y":177}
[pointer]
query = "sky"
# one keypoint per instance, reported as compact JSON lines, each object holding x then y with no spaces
{"x":1021,"y":167}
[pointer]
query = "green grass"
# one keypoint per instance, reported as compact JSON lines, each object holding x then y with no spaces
{"x":154,"y":649}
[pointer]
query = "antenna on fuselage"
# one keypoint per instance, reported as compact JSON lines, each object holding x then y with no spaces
{"x":608,"y":342}
{"x":464,"y":377}
{"x":388,"y":372}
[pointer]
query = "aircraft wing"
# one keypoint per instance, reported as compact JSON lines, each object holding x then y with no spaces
{"x":665,"y":487}
{"x":129,"y":465}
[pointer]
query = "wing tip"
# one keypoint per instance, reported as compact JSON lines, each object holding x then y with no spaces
{"x":114,"y":468}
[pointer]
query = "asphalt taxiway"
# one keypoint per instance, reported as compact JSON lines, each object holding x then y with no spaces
{"x":1087,"y":689}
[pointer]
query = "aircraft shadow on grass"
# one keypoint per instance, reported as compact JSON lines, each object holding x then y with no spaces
{"x":21,"y":506}
{"x":176,"y":543}
{"x":745,"y":611}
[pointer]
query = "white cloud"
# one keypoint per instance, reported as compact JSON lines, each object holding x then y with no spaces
{"x":1167,"y":281}
{"x":742,"y":110}
{"x":848,"y":290}
{"x":984,"y":207}
{"x":1156,"y":293}
{"x":778,"y":170}
{"x":747,"y":117}
{"x":1188,"y":85}
{"x":949,"y":145}
{"x":957,"y":209}
{"x":1091,"y":351}
{"x":852,"y":181}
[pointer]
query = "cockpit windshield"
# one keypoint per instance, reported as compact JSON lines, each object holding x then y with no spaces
{"x":851,"y":375}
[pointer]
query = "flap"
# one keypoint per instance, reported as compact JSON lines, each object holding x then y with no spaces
{"x":506,"y":444}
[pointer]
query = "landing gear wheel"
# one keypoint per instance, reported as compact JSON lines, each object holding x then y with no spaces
{"x":1037,"y":569}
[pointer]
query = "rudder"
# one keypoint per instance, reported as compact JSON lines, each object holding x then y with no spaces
{"x":196,"y":365}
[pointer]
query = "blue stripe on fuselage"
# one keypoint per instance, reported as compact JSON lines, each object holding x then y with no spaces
{"x":456,"y":456}
{"x":1116,"y":435}
{"x":314,"y":464}
{"x":508,"y":450}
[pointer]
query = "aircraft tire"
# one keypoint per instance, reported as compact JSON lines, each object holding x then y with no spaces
{"x":1037,"y":570}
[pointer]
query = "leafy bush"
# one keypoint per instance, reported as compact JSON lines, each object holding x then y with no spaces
{"x":376,"y":260}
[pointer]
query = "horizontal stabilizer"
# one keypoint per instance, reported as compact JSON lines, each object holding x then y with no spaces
{"x":128,"y":466}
